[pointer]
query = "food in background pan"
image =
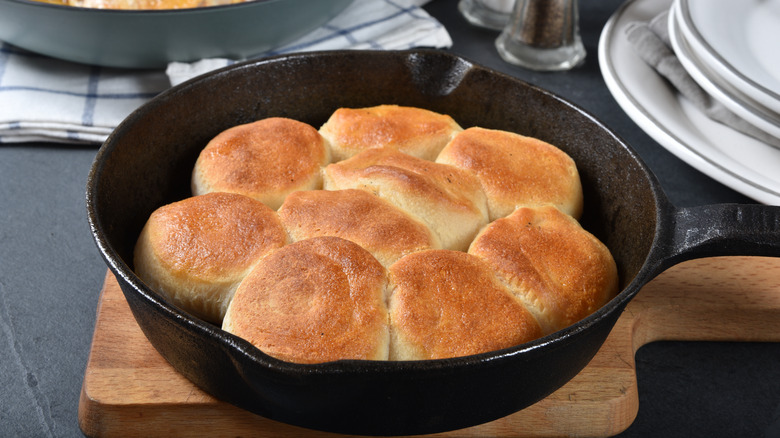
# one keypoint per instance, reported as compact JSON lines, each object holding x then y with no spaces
{"x":385,"y":255}
{"x":142,"y":4}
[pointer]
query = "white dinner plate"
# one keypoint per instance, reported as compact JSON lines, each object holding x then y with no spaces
{"x":736,"y":160}
{"x":740,"y":41}
{"x":750,"y":110}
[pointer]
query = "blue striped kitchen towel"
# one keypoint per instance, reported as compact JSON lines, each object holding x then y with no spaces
{"x":49,"y":100}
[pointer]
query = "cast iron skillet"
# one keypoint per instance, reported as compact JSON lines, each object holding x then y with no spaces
{"x":147,"y":163}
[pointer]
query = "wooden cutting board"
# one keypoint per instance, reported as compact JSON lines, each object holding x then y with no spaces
{"x":129,"y":390}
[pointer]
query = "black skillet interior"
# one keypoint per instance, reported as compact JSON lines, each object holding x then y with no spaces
{"x":147,"y":162}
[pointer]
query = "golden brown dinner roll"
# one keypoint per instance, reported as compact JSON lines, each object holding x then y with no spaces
{"x":265,"y":160}
{"x":196,"y":251}
{"x":415,"y":131}
{"x":317,"y":300}
{"x":560,"y":270}
{"x":449,"y":303}
{"x":447,"y":199}
{"x":516,"y":170}
{"x":383,"y":229}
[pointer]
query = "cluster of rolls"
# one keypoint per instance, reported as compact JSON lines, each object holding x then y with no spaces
{"x":391,"y":233}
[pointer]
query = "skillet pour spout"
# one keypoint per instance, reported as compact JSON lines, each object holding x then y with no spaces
{"x":147,"y":163}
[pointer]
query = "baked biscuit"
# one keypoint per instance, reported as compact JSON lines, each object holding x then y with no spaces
{"x":383,"y":229}
{"x":415,"y":131}
{"x":265,"y":160}
{"x":196,"y":251}
{"x":516,"y":170}
{"x":317,"y":300}
{"x":448,"y":304}
{"x":561,"y":271}
{"x":449,"y":200}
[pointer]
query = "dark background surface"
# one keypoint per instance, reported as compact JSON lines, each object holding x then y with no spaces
{"x":51,"y":274}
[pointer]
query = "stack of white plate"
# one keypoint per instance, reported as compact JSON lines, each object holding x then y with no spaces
{"x":732,"y":50}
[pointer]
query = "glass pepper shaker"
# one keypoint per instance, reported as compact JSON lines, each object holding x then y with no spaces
{"x":542,"y":35}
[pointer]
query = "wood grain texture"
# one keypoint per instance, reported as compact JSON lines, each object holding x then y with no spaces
{"x":129,"y":390}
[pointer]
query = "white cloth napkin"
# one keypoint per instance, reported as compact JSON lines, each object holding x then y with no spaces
{"x":651,"y":41}
{"x":45,"y":99}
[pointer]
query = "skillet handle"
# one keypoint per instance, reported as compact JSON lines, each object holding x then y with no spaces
{"x":722,"y":230}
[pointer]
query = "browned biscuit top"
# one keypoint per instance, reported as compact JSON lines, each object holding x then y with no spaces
{"x":384,"y":170}
{"x":265,"y":160}
{"x":555,"y":265}
{"x":210,"y":235}
{"x":449,"y":303}
{"x":357,"y":215}
{"x":415,"y":131}
{"x":449,"y":200}
{"x":196,"y":251}
{"x":516,"y":170}
{"x":317,"y":300}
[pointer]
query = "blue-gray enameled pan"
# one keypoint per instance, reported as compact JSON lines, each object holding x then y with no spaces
{"x":153,"y":38}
